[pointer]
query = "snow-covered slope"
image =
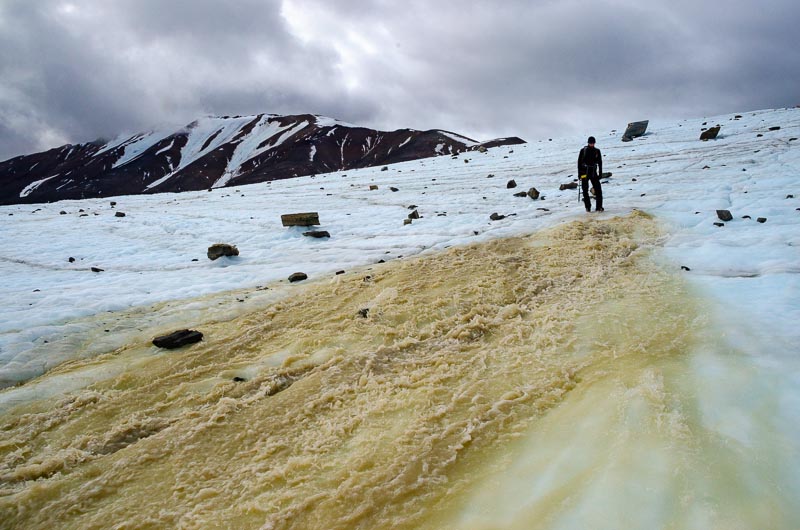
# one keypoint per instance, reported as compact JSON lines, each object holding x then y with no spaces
{"x":147,"y":256}
{"x":215,"y":152}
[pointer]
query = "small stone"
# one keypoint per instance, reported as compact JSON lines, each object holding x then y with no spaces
{"x":414,"y":215}
{"x":746,"y":217}
{"x":62,"y":212}
{"x":177,"y":339}
{"x":339,"y":273}
{"x":790,"y":196}
{"x":363,"y":313}
{"x":706,"y":167}
{"x":385,"y":168}
{"x":533,"y":193}
{"x":776,"y":128}
{"x":685,"y":268}
{"x":393,"y":188}
{"x":521,"y":194}
{"x":71,"y":259}
{"x":490,"y":175}
{"x":373,"y":187}
{"x":724,"y":215}
{"x":719,"y":224}
{"x":113,"y":203}
{"x":761,"y":220}
{"x":195,"y":259}
{"x":96,"y":269}
{"x":238,"y":379}
{"x":406,"y":222}
{"x":496,"y":216}
{"x":298,"y":277}
{"x":413,"y":207}
{"x":543,"y":209}
{"x":568,"y":186}
{"x":633,"y":180}
{"x":511,"y":184}
{"x":759,"y":135}
{"x":119,"y":214}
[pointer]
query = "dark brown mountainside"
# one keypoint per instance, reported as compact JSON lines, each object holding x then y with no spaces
{"x":216,"y":152}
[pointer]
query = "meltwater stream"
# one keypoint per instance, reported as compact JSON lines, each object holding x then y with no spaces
{"x":561,"y":380}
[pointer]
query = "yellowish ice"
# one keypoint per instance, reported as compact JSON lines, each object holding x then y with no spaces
{"x":533,"y":382}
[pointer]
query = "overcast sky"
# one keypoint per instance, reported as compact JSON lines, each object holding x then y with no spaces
{"x":73,"y":71}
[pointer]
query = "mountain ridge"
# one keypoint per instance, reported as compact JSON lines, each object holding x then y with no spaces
{"x":213,"y":152}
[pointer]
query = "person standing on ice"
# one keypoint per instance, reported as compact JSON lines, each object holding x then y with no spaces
{"x":590,"y":168}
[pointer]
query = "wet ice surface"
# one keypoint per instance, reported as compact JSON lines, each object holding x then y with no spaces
{"x":737,"y":384}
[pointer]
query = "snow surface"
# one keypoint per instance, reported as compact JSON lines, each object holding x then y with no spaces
{"x":134,"y":149}
{"x":748,"y":270}
{"x":459,"y":138}
{"x":30,"y":188}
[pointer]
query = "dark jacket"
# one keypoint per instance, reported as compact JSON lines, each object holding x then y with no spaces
{"x":590,"y":156}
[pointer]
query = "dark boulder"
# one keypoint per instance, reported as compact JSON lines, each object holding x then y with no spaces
{"x":496,"y":216}
{"x":761,"y":220}
{"x":568,"y":186}
{"x":298,"y":277}
{"x":119,"y":214}
{"x":533,"y":193}
{"x":724,"y":215}
{"x":414,"y":215}
{"x":217,"y":250}
{"x":179,"y":338}
{"x":521,"y":194}
{"x":711,"y":133}
{"x":511,"y":184}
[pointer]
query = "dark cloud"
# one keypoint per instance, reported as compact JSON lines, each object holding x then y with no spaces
{"x":74,"y":71}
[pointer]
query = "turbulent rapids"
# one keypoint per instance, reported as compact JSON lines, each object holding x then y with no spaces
{"x":530,"y":382}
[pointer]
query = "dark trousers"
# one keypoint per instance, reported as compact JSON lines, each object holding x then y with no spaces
{"x":598,"y":189}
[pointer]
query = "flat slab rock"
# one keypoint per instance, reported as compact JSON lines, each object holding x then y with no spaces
{"x":177,"y":339}
{"x":300,"y":219}
{"x":317,"y":233}
{"x":635,"y":129}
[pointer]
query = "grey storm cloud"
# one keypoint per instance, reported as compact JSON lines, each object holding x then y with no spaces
{"x":75,"y":70}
